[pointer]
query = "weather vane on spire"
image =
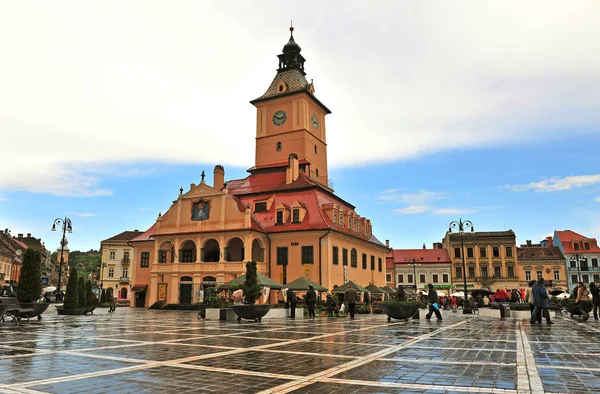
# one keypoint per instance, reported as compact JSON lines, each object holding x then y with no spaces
{"x":292,"y":27}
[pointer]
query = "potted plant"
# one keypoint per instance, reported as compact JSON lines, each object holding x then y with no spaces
{"x":30,"y":284}
{"x":71,"y":304}
{"x":400,"y":310}
{"x":251,"y":310}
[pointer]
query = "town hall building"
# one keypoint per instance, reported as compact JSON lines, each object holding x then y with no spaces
{"x":284,"y":215}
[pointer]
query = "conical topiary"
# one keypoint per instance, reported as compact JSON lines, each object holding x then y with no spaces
{"x":81,"y":296}
{"x":72,"y":298}
{"x":251,"y":286}
{"x":89,"y":298}
{"x":30,"y":281}
{"x":103,"y":296}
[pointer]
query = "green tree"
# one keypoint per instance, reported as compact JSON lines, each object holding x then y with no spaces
{"x":30,"y":281}
{"x":81,"y":295}
{"x":251,"y":286}
{"x":72,"y":298}
{"x":89,"y":294}
{"x":103,"y":296}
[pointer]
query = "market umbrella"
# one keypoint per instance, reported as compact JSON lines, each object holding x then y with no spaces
{"x":374,"y":289}
{"x":302,"y":284}
{"x":459,"y":294}
{"x":562,"y":296}
{"x":264,"y":281}
{"x":389,"y":290}
{"x":480,"y":292}
{"x":556,"y":292}
{"x":342,"y":288}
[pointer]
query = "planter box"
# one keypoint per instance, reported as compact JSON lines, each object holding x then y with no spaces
{"x":283,"y":313}
{"x":225,"y":314}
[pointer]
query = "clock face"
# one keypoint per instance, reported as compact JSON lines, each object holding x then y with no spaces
{"x":279,"y":118}
{"x":315,"y":122}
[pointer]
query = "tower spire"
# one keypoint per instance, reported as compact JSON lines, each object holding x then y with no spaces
{"x":291,"y":57}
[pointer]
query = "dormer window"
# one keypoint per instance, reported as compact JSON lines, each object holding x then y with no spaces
{"x":341,"y":218}
{"x":260,"y":207}
{"x":279,"y":217}
{"x":360,"y":227}
{"x":334,"y":217}
{"x":295,"y":216}
{"x":576,"y":246}
{"x":586,"y":246}
{"x":354,"y":225}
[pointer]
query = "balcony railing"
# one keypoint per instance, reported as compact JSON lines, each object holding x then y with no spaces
{"x":124,"y":279}
{"x":125,"y":260}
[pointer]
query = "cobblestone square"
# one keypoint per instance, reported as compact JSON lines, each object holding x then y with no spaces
{"x":135,"y":351}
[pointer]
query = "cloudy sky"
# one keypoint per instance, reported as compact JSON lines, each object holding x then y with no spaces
{"x":480,"y":109}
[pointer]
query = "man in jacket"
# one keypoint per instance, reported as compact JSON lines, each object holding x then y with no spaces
{"x":351,"y":297}
{"x":541,"y":302}
{"x":583,"y":298}
{"x":311,"y":301}
{"x":529,"y":300}
{"x":293,"y":300}
{"x":434,"y":303}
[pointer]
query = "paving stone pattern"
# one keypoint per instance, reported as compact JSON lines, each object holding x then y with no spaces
{"x":142,"y":351}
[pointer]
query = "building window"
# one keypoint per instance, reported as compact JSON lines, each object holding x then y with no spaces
{"x":574,"y":279}
{"x":260,"y":207}
{"x":471,"y":272}
{"x":372,"y":263}
{"x":162,"y":256}
{"x":354,"y":225}
{"x":379,"y":265}
{"x":595,"y":263}
{"x":345,"y":256}
{"x":410,"y":278}
{"x":353,"y":258}
{"x":125,"y":273}
{"x":445,"y":278}
{"x":295,"y":216}
{"x":496,"y":251}
{"x":435,"y":278}
{"x":336,"y":256}
{"x":458,"y":272}
{"x":126,"y":256}
{"x":483,"y":252}
{"x":596,"y":278}
{"x":334,"y":217}
{"x":539,"y":274}
{"x":586,"y":246}
{"x":388,"y":277}
{"x":279,"y":217}
{"x":422,"y":278}
{"x":511,"y":271}
{"x":341,"y":219}
{"x":573,"y":263}
{"x":484,"y":272}
{"x":111,"y":272}
{"x":308,"y":255}
{"x":112,"y":255}
{"x":457,"y":252}
{"x":364,"y":261}
{"x":145,"y":261}
{"x":576,"y":246}
{"x":315,"y":149}
{"x":470,"y":252}
{"x":497,"y":272}
{"x":527,"y":275}
{"x":585,"y":278}
{"x":282,"y":255}
{"x":400,"y":278}
{"x":279,"y":146}
{"x":317,"y":172}
{"x":360,"y":227}
{"x":187,"y":256}
{"x":556,"y":274}
{"x":508,"y":251}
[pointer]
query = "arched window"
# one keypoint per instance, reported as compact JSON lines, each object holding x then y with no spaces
{"x":353,"y":258}
{"x":279,"y":146}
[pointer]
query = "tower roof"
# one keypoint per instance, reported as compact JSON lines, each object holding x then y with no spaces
{"x":291,"y":46}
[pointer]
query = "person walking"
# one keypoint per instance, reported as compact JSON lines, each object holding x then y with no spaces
{"x":351,"y":297}
{"x":293,"y":301}
{"x":311,"y":301}
{"x":541,"y":302}
{"x":529,"y":300}
{"x":434,"y":303}
{"x":583,"y":297}
{"x":400,"y":294}
{"x":595,"y":290}
{"x":330,"y":301}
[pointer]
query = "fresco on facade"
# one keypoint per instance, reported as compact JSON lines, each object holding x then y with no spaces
{"x":200,"y":210}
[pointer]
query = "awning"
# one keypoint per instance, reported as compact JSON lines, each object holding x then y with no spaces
{"x":139,"y":288}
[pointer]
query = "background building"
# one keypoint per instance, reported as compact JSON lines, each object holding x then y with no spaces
{"x":581,"y":256}
{"x":539,"y":261}
{"x":491,"y":259}
{"x":422,"y":266}
{"x":117,"y":254}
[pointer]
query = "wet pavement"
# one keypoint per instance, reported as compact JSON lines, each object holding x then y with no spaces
{"x":142,"y":351}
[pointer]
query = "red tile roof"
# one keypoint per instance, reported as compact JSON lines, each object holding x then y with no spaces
{"x":539,"y":253}
{"x":566,"y":238}
{"x":423,"y":255}
{"x":125,"y":236}
{"x":147,"y":235}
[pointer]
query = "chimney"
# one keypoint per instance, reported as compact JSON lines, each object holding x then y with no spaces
{"x":424,"y":247}
{"x":528,"y":242}
{"x":192,"y":185}
{"x":437,"y":245}
{"x":291,"y":172}
{"x":219,"y":177}
{"x":20,"y":235}
{"x":549,"y":239}
{"x":28,"y":235}
{"x":387,"y":243}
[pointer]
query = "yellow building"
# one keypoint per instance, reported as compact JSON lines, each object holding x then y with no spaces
{"x":491,"y":259}
{"x":284,"y":215}
{"x":116,"y":267}
{"x":542,"y":261}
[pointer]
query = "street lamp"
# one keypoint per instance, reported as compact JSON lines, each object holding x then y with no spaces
{"x":67,"y":226}
{"x":414,"y":262}
{"x":577,"y":257}
{"x":460,"y":226}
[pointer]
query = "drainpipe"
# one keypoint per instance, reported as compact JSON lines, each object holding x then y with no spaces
{"x":269,"y":265}
{"x":320,"y":259}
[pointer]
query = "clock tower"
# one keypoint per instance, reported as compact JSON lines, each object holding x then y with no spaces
{"x":290,"y":119}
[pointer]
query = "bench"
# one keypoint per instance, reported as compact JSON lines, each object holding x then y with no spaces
{"x":13,"y":310}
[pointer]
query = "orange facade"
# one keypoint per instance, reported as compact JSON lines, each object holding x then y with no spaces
{"x":284,"y":215}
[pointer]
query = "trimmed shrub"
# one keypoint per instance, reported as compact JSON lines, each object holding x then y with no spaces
{"x":89,"y":295}
{"x":30,"y":281}
{"x":251,"y":287}
{"x":81,"y":295}
{"x":72,"y":298}
{"x":402,"y":303}
{"x":103,"y":296}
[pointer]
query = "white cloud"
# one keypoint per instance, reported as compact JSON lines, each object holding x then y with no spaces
{"x":412,"y":209}
{"x":3,"y":199}
{"x":83,"y":214}
{"x":597,"y":199}
{"x":557,"y":184}
{"x":171,"y":83}
{"x":452,"y":211}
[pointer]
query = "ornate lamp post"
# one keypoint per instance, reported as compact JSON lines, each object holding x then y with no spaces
{"x":67,"y":226}
{"x":414,"y":262}
{"x":460,"y":226}
{"x":577,"y":257}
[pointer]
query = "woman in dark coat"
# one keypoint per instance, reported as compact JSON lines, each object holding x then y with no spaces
{"x":595,"y":290}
